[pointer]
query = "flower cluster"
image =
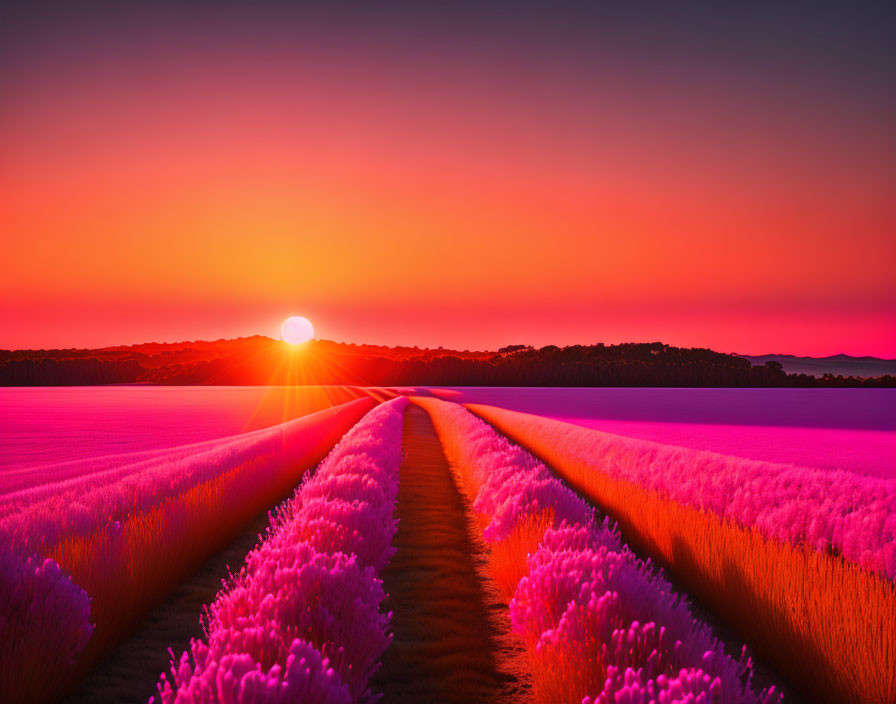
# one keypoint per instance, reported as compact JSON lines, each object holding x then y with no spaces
{"x":594,"y":618}
{"x":44,"y":621}
{"x":302,"y":620}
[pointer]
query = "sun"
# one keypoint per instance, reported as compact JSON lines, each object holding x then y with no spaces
{"x":296,"y":330}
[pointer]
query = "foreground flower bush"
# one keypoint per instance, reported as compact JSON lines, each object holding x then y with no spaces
{"x":44,"y":621}
{"x":302,"y":620}
{"x":598,"y":623}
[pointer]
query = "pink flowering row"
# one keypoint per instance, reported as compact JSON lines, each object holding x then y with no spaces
{"x":111,"y":553}
{"x":302,"y":620}
{"x":835,"y":511}
{"x":45,"y":514}
{"x":599,"y":624}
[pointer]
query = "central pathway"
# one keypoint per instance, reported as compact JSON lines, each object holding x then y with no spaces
{"x":447,"y":627}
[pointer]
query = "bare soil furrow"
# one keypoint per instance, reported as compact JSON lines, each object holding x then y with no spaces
{"x":132,"y":669}
{"x":450,"y":638}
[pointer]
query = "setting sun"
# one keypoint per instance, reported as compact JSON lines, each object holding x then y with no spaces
{"x":296,"y":330}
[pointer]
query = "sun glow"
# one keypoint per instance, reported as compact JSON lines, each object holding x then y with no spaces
{"x":296,"y":330}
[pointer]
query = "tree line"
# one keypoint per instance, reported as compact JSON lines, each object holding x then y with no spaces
{"x":262,"y":361}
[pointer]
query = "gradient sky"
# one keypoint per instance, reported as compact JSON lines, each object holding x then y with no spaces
{"x":704,"y":176}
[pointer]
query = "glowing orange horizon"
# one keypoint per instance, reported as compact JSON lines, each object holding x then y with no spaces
{"x":431,"y":205}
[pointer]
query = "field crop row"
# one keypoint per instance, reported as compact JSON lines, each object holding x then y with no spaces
{"x":832,"y":511}
{"x":127,"y":542}
{"x":302,"y":620}
{"x":598,"y":624}
{"x":63,"y":507}
{"x":826,"y":623}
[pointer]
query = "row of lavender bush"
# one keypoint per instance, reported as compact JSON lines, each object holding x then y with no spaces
{"x":834,"y":511}
{"x":77,"y":568}
{"x":44,"y":514}
{"x":599,"y":624}
{"x":302,"y":620}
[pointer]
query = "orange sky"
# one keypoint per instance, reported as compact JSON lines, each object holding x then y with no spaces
{"x":187,"y":187}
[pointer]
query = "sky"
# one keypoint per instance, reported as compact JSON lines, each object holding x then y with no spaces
{"x":707,"y":175}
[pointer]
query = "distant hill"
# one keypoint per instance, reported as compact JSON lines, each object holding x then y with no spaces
{"x":838,"y":364}
{"x":264,"y":361}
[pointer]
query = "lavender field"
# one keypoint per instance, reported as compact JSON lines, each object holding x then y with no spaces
{"x":852,"y":429}
{"x":48,"y":425}
{"x":609,"y":551}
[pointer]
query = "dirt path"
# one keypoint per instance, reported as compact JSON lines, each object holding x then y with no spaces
{"x":132,"y":669}
{"x":450,"y":636}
